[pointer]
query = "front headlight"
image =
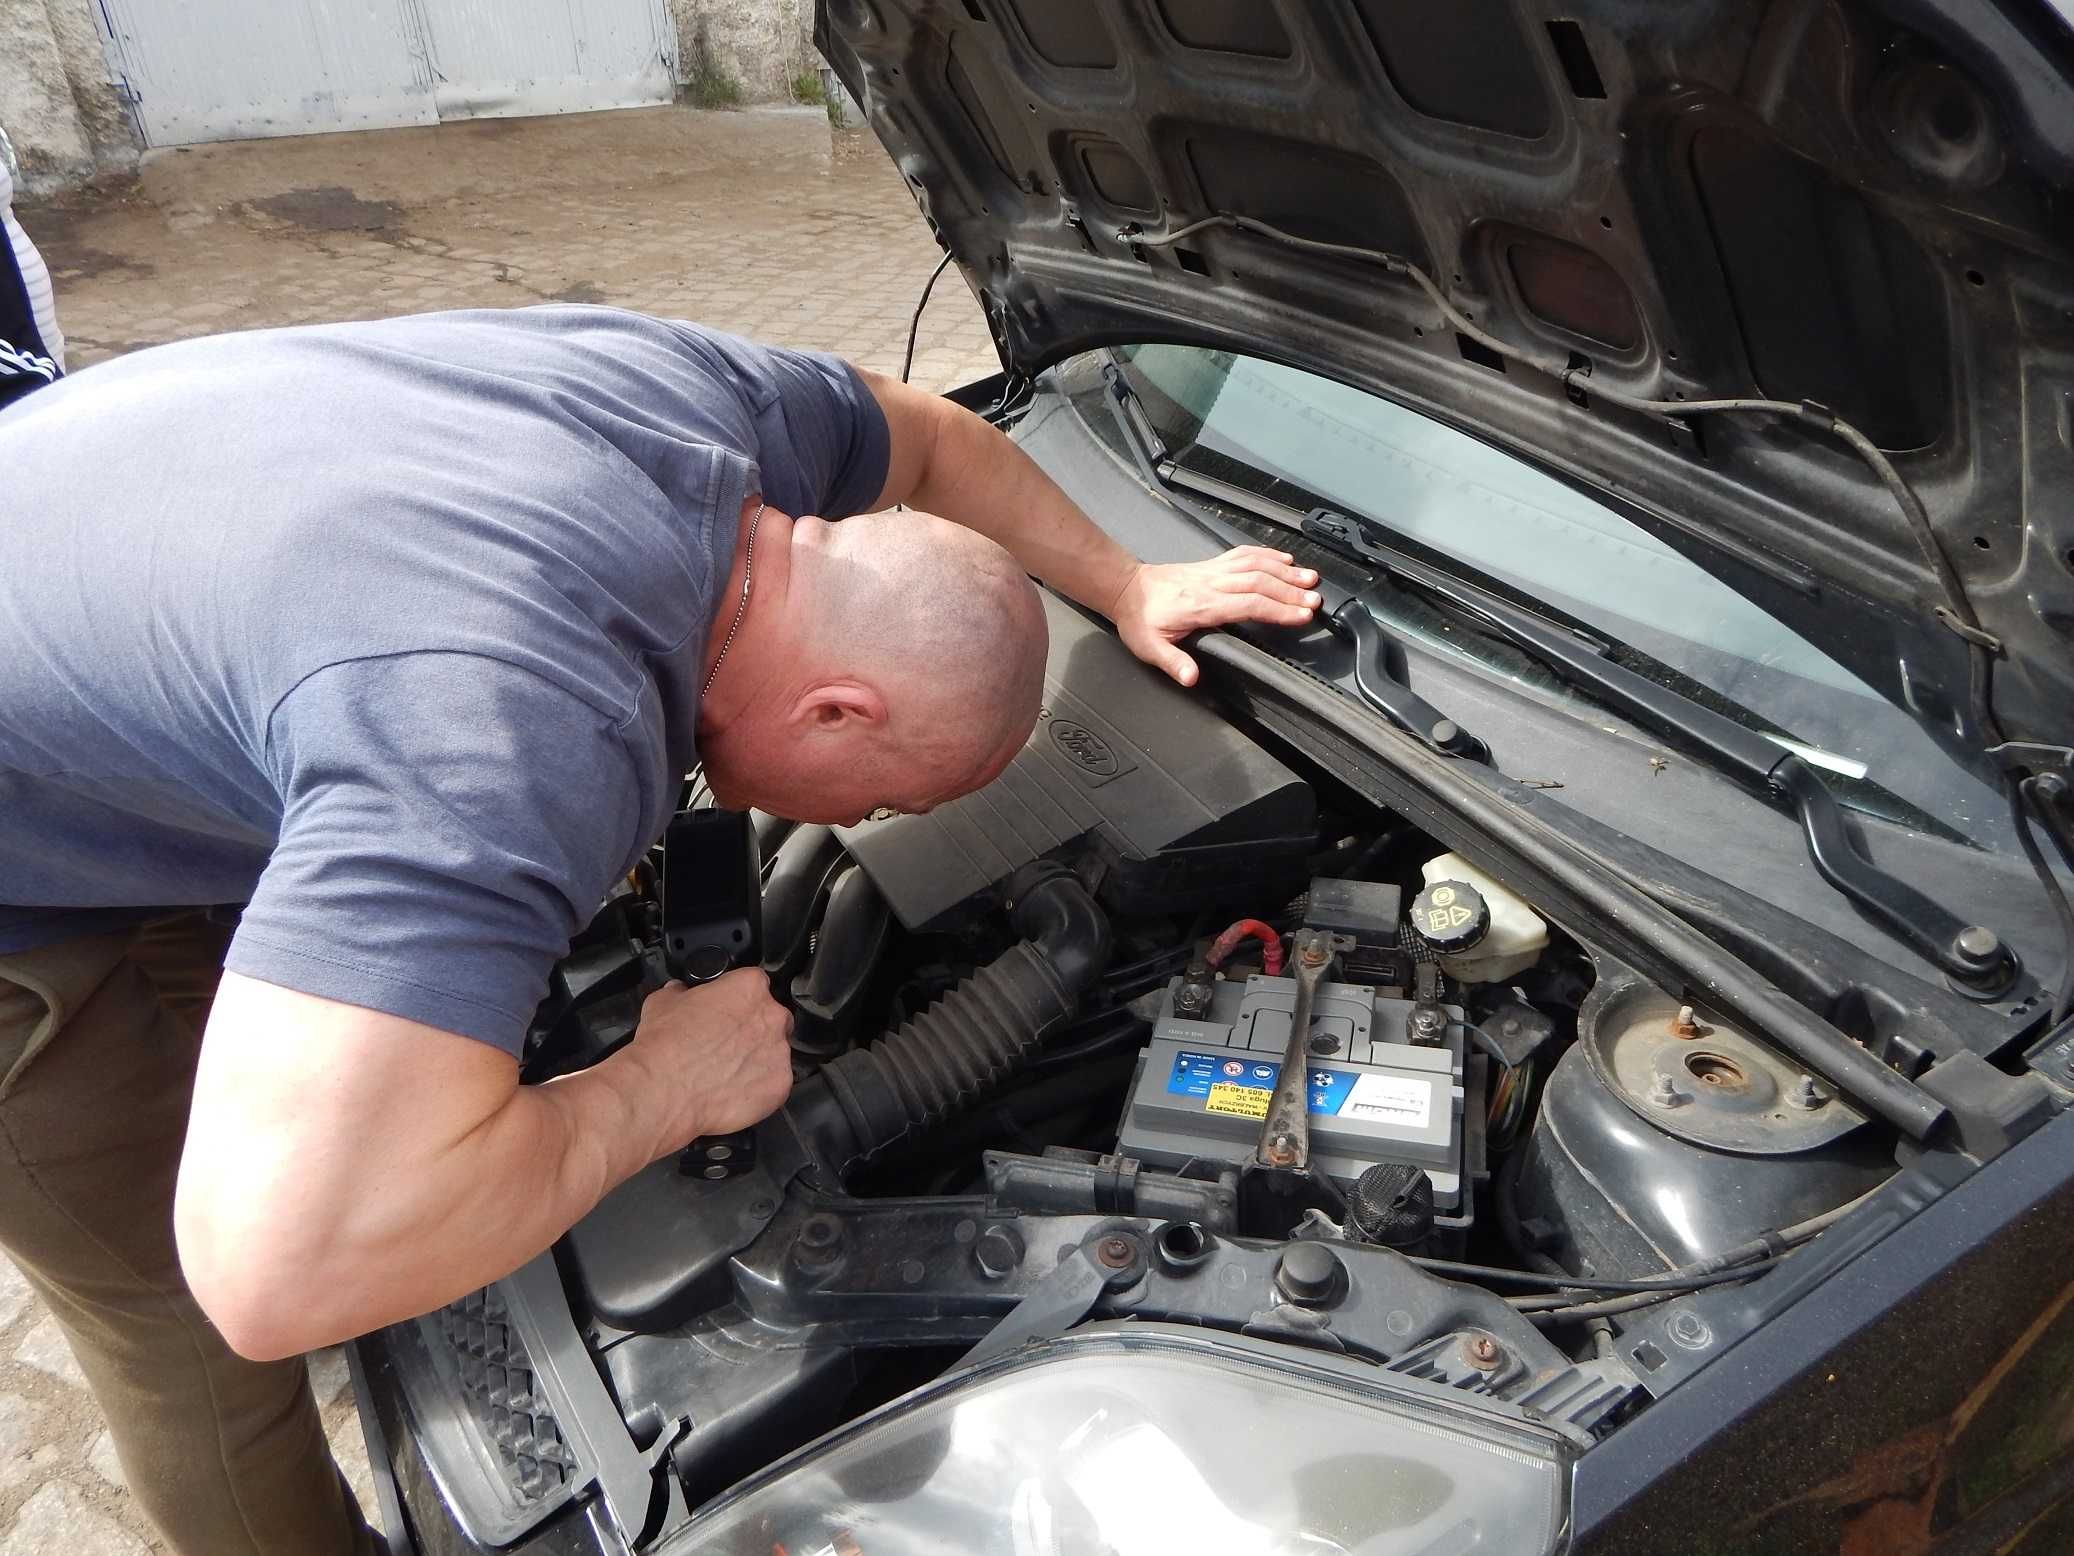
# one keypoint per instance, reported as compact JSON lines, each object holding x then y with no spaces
{"x":1144,"y":1441}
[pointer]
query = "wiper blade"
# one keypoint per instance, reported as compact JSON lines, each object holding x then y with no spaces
{"x":1973,"y":956}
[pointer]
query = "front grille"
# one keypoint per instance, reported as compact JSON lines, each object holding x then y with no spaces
{"x":498,"y":1383}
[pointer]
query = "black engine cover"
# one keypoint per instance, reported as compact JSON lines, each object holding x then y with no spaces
{"x":1172,"y":803}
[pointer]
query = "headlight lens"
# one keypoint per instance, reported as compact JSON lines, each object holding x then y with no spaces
{"x":1149,"y":1443}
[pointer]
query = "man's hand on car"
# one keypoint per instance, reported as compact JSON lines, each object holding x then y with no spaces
{"x":721,"y":1047}
{"x":1164,"y":602}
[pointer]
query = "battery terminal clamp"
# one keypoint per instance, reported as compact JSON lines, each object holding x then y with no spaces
{"x":1285,"y":1137}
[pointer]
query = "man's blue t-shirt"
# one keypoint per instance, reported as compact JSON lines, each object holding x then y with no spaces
{"x":392,"y":632}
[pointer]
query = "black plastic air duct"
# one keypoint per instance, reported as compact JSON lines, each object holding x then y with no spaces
{"x":969,"y":1041}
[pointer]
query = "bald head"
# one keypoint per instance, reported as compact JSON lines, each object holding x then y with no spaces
{"x":914,"y":669}
{"x":935,"y":611}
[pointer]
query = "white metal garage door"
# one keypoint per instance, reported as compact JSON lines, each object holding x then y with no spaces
{"x":201,"y":70}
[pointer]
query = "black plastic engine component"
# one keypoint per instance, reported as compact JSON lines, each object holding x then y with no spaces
{"x":825,"y":997}
{"x":1392,"y":1205}
{"x":968,"y":1041}
{"x":655,"y":1250}
{"x":1169,"y":803}
{"x":829,"y":1278}
{"x":712,"y":904}
{"x":1367,"y":917}
{"x":798,"y":879}
{"x":1366,"y":912}
{"x":1087,"y":1183}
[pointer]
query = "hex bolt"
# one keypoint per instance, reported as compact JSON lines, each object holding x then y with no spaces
{"x":1115,"y":1253}
{"x":1427,"y":1023}
{"x":1483,"y":1353}
{"x":1806,"y":1094}
{"x":1309,"y":1273}
{"x":1685,"y":1023}
{"x":1281,"y":1151}
{"x":1662,"y":1092}
{"x":820,"y":1233}
{"x":998,"y":1252}
{"x":1314,"y":955}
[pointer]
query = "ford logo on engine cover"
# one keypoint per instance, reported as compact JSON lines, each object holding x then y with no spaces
{"x":1084,"y":747}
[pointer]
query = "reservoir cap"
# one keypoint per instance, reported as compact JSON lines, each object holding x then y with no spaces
{"x":1450,"y":916}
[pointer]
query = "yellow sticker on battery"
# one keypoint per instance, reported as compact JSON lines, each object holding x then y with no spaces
{"x":1238,"y":1101}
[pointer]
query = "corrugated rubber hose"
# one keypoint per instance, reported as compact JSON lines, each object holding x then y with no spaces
{"x":969,"y":1041}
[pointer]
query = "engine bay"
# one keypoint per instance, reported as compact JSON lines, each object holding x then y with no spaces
{"x":1164,"y":1024}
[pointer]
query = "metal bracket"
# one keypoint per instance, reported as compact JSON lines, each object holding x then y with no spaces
{"x":2031,"y":754}
{"x":1285,"y":1134}
{"x":1064,"y":1297}
{"x":591,"y":1422}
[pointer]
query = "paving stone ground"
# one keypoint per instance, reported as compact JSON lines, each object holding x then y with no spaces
{"x":766,"y":222}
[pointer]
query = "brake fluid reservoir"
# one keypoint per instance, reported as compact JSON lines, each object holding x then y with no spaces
{"x":1479,"y":929}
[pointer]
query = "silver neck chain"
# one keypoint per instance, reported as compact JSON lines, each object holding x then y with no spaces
{"x":741,"y":606}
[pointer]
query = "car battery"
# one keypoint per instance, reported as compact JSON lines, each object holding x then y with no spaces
{"x":1202,"y":1086}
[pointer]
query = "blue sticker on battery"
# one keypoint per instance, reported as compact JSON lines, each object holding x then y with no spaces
{"x":1195,"y":1073}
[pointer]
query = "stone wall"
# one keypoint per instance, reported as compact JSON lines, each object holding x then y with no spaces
{"x":62,"y":116}
{"x":757,"y":47}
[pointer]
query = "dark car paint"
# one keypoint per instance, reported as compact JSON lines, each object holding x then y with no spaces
{"x":1920,"y":1400}
{"x":1853,"y":204}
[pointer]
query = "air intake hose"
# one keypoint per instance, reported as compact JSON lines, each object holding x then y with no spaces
{"x":969,"y":1041}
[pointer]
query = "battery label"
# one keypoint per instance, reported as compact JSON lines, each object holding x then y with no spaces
{"x":1240,"y":1087}
{"x":1238,"y":1101}
{"x":1392,"y":1099}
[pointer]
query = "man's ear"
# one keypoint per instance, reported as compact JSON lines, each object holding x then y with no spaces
{"x":835,"y":707}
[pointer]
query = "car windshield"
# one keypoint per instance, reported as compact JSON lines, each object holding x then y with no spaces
{"x":1302,"y":440}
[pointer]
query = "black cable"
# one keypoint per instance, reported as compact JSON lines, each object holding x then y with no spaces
{"x":1672,"y":1282}
{"x":1566,"y":1302}
{"x":914,"y":325}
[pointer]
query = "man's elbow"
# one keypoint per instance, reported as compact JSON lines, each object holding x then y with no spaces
{"x":265,"y":1302}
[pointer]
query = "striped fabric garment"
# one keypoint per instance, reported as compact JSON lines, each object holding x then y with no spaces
{"x":32,"y":351}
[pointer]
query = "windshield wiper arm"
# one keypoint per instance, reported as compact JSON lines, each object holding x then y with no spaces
{"x":1377,"y":652}
{"x":1973,"y":956}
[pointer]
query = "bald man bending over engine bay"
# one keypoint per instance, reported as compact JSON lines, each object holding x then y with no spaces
{"x":390,"y":644}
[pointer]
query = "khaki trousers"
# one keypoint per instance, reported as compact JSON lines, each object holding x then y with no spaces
{"x":98,"y":1042}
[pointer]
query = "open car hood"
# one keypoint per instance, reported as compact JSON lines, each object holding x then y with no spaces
{"x":1861,"y":206}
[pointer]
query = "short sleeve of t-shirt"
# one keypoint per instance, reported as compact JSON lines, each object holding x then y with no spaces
{"x":822,"y":443}
{"x":449,"y":822}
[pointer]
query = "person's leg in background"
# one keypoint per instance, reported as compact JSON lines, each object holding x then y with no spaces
{"x":98,"y":1042}
{"x":32,"y":350}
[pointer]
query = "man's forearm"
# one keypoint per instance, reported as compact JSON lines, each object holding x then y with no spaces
{"x":412,"y":1189}
{"x":977,"y":477}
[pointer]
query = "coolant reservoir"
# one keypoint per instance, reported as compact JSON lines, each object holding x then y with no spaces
{"x":1481,"y":931}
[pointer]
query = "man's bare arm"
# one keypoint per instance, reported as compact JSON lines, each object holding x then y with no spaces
{"x":345,"y":1169}
{"x":947,"y":461}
